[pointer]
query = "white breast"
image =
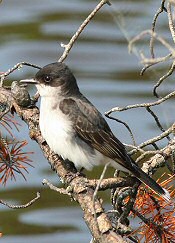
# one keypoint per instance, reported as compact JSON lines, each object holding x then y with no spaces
{"x":59,"y":134}
{"x":57,"y":130}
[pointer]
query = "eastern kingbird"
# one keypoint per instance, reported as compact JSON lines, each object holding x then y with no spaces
{"x":74,"y":129}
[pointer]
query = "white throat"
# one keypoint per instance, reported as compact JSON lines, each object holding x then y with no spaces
{"x":48,"y":91}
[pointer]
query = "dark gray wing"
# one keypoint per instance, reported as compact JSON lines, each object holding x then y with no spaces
{"x":92,"y":128}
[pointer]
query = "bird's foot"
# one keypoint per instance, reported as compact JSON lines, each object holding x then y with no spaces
{"x":68,"y":165}
{"x":71,"y":176}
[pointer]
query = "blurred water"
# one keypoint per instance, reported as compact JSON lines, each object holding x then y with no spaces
{"x":32,"y":31}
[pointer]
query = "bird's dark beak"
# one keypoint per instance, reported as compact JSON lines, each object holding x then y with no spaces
{"x":29,"y":81}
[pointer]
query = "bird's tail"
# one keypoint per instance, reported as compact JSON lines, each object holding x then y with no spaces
{"x":147,"y":180}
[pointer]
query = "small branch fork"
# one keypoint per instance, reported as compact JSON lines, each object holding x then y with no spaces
{"x":68,"y":47}
{"x":148,"y":62}
{"x":54,"y":188}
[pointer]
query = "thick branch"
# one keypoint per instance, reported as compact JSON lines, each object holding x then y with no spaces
{"x":160,"y":158}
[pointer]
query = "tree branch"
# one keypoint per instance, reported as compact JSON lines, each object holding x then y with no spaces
{"x":21,"y":206}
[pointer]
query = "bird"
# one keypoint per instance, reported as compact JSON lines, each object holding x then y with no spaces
{"x":74,"y":128}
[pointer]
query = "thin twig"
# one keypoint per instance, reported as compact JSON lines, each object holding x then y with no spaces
{"x":159,"y":11}
{"x":4,"y":113}
{"x":100,"y":180}
{"x":170,"y":21}
{"x":155,"y":35}
{"x":155,"y":146}
{"x":157,"y":121}
{"x":171,"y":70}
{"x":153,"y":61}
{"x":155,"y":139}
{"x":115,"y":109}
{"x":21,"y":206}
{"x":125,"y":124}
{"x":134,"y":147}
{"x":96,"y":191}
{"x":54,"y":188}
{"x":15,"y":67}
{"x":80,"y":29}
{"x":142,"y":156}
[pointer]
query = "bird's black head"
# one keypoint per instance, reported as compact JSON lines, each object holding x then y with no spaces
{"x":54,"y":79}
{"x":57,"y":75}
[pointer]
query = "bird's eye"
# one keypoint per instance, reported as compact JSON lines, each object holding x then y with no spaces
{"x":47,"y":79}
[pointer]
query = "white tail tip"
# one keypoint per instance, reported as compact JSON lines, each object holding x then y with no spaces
{"x":166,"y":195}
